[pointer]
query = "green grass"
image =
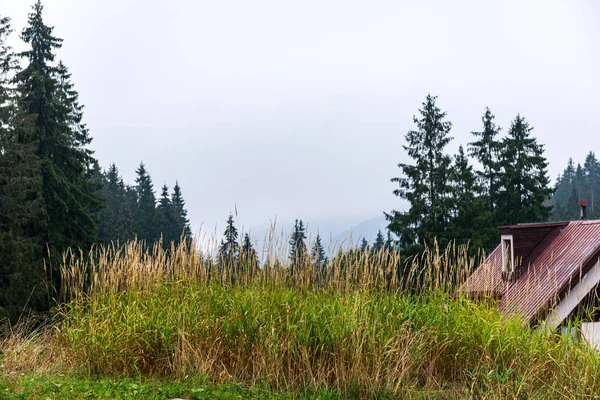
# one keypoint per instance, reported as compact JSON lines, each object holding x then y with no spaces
{"x":357,"y":342}
{"x":151,"y":325}
{"x":85,"y":387}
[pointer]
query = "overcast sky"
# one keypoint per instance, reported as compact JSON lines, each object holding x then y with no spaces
{"x":298,"y":109}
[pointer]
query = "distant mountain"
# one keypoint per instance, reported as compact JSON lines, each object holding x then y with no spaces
{"x":366,"y":229}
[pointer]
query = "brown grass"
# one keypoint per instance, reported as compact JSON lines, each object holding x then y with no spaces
{"x":370,"y":323}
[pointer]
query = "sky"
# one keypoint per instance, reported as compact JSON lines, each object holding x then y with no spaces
{"x":298,"y":109}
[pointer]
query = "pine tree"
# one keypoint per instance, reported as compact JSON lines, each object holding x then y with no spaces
{"x":389,"y":241}
{"x":486,"y":150}
{"x":164,"y":219}
{"x":574,"y":184}
{"x":580,"y":181}
{"x":248,"y":256}
{"x":126,"y":222}
{"x":21,"y":201}
{"x":592,"y":173}
{"x":146,"y":207}
{"x":229,"y":251}
{"x":425,"y":184}
{"x":298,"y":250}
{"x":112,"y":192}
{"x":562,"y":192}
{"x":69,"y":196}
{"x":571,"y":212}
{"x":182,"y":223}
{"x":364,"y":245}
{"x":379,"y":242}
{"x":525,"y":182}
{"x":319,"y":258}
{"x":471,"y":221}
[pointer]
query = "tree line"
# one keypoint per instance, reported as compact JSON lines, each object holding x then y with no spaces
{"x":239,"y":258}
{"x":581,"y":182}
{"x":450,"y":200}
{"x":53,"y":194}
{"x":133,"y":212}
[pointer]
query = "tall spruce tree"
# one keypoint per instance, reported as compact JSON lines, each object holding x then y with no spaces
{"x":146,"y":207}
{"x":425,"y":184}
{"x":525,"y":181}
{"x":486,"y":150}
{"x":69,"y":196}
{"x":471,"y":221}
{"x":21,"y":202}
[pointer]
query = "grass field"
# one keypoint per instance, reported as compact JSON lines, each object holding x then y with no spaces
{"x":177,"y":325}
{"x":85,"y":387}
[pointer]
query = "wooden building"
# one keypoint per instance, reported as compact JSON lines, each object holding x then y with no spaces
{"x":545,"y":273}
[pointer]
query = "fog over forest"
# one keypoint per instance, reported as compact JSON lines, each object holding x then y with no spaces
{"x":284,"y":111}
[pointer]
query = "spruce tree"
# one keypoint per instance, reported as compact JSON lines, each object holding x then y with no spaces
{"x":298,"y":250}
{"x":165,"y":219}
{"x":112,"y":192}
{"x":580,"y":181}
{"x":379,"y":242}
{"x":425,"y":184}
{"x":572,"y":212}
{"x":471,"y":221}
{"x":486,"y":150}
{"x":576,"y":183}
{"x":21,"y":201}
{"x":69,"y":196}
{"x":562,"y":192}
{"x":182,"y":223}
{"x":364,"y":245}
{"x":592,"y":173}
{"x":126,"y":222}
{"x":525,"y":181}
{"x":146,"y":207}
{"x":229,"y":251}
{"x":248,"y":255}
{"x":319,"y":258}
{"x":389,"y":241}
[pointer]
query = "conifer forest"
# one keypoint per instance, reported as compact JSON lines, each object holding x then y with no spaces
{"x":357,"y":253}
{"x":56,"y":200}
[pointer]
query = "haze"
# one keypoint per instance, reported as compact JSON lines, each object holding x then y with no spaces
{"x":299,"y":109}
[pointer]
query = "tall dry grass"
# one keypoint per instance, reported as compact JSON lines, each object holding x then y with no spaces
{"x":115,"y":269}
{"x":369,"y":323}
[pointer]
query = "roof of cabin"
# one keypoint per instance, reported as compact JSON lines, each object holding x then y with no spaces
{"x":550,"y":257}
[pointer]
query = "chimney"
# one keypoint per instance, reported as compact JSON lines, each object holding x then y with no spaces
{"x":583,"y":204}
